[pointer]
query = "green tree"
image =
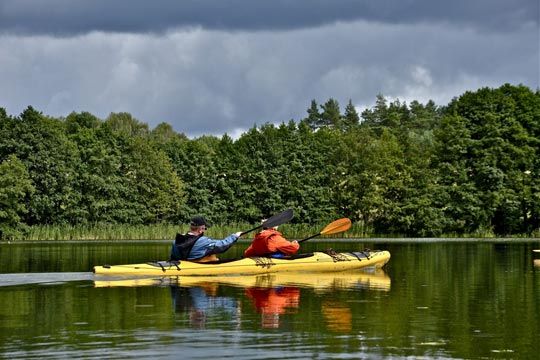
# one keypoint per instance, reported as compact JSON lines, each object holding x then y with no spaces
{"x":194,"y":162}
{"x":126,"y":124}
{"x":164,"y":133}
{"x":286,"y":166}
{"x":75,"y":122}
{"x":331,"y":114}
{"x":15,"y":189}
{"x":351,"y":117}
{"x":488,"y":146}
{"x":100,"y":182}
{"x":313,"y":120}
{"x":157,"y":192}
{"x":376,"y":117}
{"x":40,"y":142}
{"x":400,"y":157}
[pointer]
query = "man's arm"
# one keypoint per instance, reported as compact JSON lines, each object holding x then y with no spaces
{"x":219,"y":246}
{"x":285,"y":246}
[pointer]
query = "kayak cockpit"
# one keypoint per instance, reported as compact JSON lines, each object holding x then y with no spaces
{"x":169,"y":263}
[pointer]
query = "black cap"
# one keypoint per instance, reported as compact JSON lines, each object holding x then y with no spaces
{"x":199,"y":221}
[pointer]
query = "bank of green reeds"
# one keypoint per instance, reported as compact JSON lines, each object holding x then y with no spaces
{"x":166,"y":231}
{"x":110,"y":232}
{"x":100,"y":232}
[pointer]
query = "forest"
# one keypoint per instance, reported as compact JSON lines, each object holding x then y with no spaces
{"x":401,"y":169}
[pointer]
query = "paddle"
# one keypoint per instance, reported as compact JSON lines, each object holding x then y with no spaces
{"x":275,"y":220}
{"x":334,"y":227}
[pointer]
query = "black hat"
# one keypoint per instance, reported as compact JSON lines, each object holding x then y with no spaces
{"x":199,"y":221}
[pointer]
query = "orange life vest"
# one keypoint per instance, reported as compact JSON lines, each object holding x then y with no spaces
{"x":270,"y":241}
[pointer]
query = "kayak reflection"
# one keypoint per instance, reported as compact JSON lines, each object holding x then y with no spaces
{"x":320,"y":282}
{"x":272,"y":296}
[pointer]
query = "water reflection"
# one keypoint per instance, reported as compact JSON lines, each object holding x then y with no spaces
{"x":271,"y":303}
{"x":374,"y":280}
{"x":202,"y":302}
{"x":448,"y":300}
{"x":338,"y":317}
{"x":271,"y":296}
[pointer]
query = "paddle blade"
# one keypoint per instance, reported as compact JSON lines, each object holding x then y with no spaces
{"x":337,"y":226}
{"x":279,"y":219}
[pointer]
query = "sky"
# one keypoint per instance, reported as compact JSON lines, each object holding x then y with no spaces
{"x":224,"y":66}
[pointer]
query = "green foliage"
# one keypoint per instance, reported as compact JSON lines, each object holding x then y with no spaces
{"x":126,"y":124}
{"x":331,"y":115}
{"x":156,"y":192}
{"x":42,"y":145}
{"x":100,"y":184}
{"x":15,"y":188}
{"x":488,"y":159}
{"x":351,"y":117}
{"x":313,"y":120}
{"x":85,"y":170}
{"x":471,"y":167}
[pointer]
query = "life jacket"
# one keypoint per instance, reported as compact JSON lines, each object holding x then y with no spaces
{"x":269,"y":242}
{"x":182,"y":246}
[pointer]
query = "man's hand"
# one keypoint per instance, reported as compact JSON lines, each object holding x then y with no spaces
{"x":238,"y":234}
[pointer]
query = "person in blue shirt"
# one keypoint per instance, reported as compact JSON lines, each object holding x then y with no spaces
{"x":195,"y":246}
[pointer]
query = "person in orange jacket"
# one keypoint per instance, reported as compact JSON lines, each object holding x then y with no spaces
{"x":271,"y":242}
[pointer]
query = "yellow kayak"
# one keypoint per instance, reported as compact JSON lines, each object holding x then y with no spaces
{"x":303,"y":263}
{"x":373,"y":280}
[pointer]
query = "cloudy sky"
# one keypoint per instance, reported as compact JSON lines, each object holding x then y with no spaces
{"x":222,"y":66}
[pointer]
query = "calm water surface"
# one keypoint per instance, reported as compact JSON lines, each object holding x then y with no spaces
{"x":454,"y":300}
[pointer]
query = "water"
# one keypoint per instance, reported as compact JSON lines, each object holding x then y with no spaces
{"x":447,"y":300}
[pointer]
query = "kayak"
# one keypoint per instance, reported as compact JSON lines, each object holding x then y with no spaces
{"x":323,"y":282}
{"x":312,"y":262}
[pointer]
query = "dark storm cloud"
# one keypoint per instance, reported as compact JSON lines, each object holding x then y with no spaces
{"x":209,"y":67}
{"x":211,"y":82}
{"x":73,"y":17}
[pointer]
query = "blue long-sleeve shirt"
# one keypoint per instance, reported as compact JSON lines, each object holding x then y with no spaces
{"x":205,"y":246}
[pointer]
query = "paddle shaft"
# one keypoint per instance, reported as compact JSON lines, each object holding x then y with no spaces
{"x":250,"y":230}
{"x":275,"y":220}
{"x":311,"y":237}
{"x":334,"y":227}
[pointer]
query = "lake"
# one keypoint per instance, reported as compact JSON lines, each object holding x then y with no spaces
{"x":436,"y":299}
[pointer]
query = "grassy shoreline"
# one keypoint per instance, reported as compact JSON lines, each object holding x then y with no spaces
{"x":104,"y":232}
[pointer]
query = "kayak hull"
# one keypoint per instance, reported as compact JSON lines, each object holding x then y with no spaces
{"x":316,"y":262}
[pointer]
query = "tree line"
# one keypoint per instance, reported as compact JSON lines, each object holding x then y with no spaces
{"x":400,"y":169}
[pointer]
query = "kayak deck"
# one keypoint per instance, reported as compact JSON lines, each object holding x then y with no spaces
{"x":313,"y":262}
